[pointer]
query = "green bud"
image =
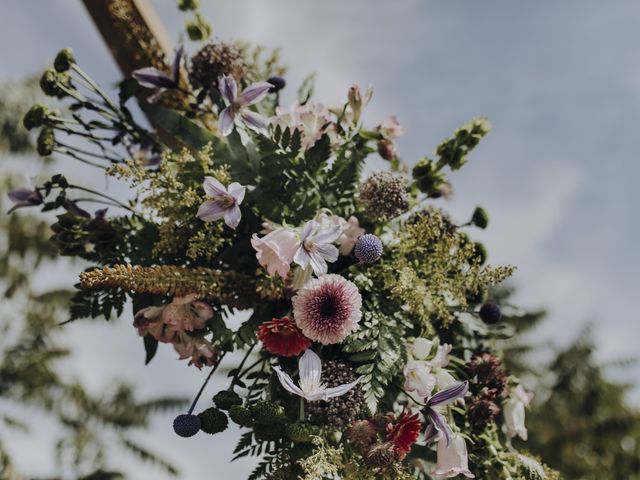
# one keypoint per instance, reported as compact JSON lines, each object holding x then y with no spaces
{"x":269,"y":432}
{"x":480,"y":218}
{"x":198,"y":29}
{"x":186,"y":5}
{"x":226,"y":399}
{"x":268,"y":413}
{"x":302,"y":432}
{"x":213,"y":421}
{"x":50,"y":83}
{"x":423,"y":168}
{"x":480,"y":253}
{"x":64,"y":59}
{"x":46,"y":142}
{"x":35,"y":117}
{"x":241,"y":415}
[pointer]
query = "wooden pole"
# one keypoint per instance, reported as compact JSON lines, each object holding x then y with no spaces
{"x":136,"y":38}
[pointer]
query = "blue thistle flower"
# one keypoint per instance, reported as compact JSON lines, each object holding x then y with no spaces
{"x":368,"y":248}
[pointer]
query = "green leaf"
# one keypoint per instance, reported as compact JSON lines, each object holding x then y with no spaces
{"x":150,"y":348}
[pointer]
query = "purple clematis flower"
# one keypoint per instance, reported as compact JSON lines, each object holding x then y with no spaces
{"x":238,"y":106}
{"x":224,"y":202}
{"x":25,"y":197}
{"x":437,"y":422}
{"x":317,"y":247}
{"x":151,"y":77}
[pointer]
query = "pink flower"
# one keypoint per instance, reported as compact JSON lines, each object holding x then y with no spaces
{"x":351,"y":231}
{"x":311,"y":119}
{"x":187,"y":314}
{"x":199,"y":349}
{"x":275,"y":251}
{"x":390,"y":128}
{"x":223,"y":203}
{"x":327,"y":309}
{"x":452,"y":460}
{"x":149,"y":320}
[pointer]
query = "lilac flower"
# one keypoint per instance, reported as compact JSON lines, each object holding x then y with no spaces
{"x":238,"y":106}
{"x":437,"y":422}
{"x":224,"y":202}
{"x":25,"y":197}
{"x":316,"y":248}
{"x":151,"y":77}
{"x":310,"y":386}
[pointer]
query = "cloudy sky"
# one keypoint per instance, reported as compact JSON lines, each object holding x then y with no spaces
{"x":559,"y":81}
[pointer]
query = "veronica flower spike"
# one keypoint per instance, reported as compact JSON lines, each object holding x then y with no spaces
{"x":238,"y":106}
{"x":310,"y":386}
{"x":437,"y":422}
{"x":151,"y":77}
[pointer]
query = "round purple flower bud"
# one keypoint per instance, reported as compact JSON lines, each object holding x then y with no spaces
{"x":186,"y":425}
{"x":278,"y":84}
{"x":368,"y":248}
{"x":490,"y":313}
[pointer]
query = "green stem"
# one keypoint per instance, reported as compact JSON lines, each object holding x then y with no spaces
{"x":71,"y":154}
{"x":88,"y":190}
{"x":237,"y":375}
{"x":213,"y":370}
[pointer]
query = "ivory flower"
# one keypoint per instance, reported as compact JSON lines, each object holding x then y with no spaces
{"x":418,"y":378}
{"x":452,"y":459}
{"x":317,"y":247}
{"x":514,"y":413}
{"x":310,"y":386}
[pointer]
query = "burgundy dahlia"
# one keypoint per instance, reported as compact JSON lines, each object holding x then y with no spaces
{"x":327,"y":309}
{"x":281,"y":336}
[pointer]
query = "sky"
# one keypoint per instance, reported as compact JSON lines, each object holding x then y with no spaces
{"x":559,"y":81}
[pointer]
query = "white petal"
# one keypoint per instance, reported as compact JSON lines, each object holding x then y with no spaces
{"x":340,"y":389}
{"x":232,"y":216}
{"x":210,"y":211}
{"x":228,"y":89}
{"x":317,"y":263}
{"x":225,"y":121}
{"x":302,"y":258}
{"x":310,"y":367}
{"x":328,"y":252}
{"x":287,"y":383}
{"x":237,"y":191}
{"x":213,"y":187}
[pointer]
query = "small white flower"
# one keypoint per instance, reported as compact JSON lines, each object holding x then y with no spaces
{"x":418,"y":378}
{"x":317,"y":247}
{"x":421,"y":348}
{"x":514,"y":413}
{"x":310,"y":386}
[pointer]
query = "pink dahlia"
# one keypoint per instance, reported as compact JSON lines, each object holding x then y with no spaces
{"x":327,"y":309}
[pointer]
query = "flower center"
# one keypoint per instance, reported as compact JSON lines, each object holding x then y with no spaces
{"x":225,"y":201}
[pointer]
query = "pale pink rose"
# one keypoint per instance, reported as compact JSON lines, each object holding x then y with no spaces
{"x":186,"y":314}
{"x":418,"y":378}
{"x":452,"y":460}
{"x":276,"y":250}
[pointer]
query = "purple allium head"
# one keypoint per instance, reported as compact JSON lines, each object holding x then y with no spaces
{"x":368,"y":248}
{"x":278,"y":84}
{"x":186,"y":425}
{"x":327,"y":309}
{"x":490,"y":313}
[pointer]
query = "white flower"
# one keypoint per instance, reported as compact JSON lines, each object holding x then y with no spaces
{"x":421,"y":348}
{"x":275,"y":250}
{"x":351,"y":230}
{"x":317,"y":247}
{"x":441,"y":359}
{"x":237,"y":106}
{"x":514,"y":413}
{"x":418,"y":378}
{"x":452,"y":460}
{"x":311,"y":119}
{"x":310,"y":386}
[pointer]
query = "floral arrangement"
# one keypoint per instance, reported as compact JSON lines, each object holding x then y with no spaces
{"x":370,"y":349}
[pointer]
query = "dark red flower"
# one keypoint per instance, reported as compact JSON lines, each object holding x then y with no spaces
{"x":404,"y":431}
{"x":281,"y":336}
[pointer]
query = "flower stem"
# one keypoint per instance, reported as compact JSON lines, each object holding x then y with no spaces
{"x":213,"y":370}
{"x":239,"y":369}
